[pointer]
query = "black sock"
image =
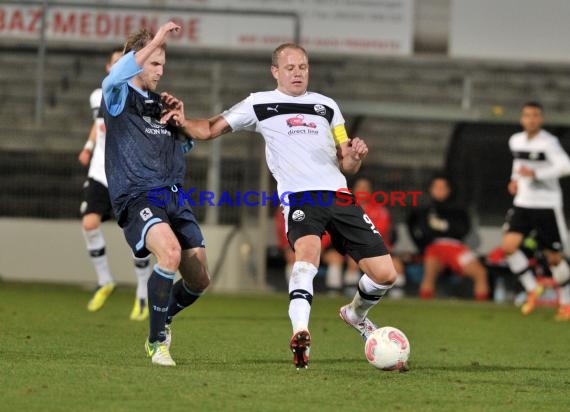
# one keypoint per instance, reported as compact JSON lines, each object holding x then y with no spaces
{"x":180,"y":298}
{"x":159,"y":288}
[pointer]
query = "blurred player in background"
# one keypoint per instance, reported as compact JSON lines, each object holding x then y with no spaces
{"x":145,"y":168}
{"x":538,"y":162}
{"x":96,"y":208}
{"x":438,"y":231}
{"x":307,"y":150}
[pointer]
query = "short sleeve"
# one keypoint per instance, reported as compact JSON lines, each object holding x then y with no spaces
{"x":337,"y":119}
{"x":241,"y":116}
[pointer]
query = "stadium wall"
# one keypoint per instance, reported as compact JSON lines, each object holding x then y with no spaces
{"x":54,"y":251}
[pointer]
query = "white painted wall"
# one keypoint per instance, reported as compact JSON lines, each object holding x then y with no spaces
{"x":54,"y":251}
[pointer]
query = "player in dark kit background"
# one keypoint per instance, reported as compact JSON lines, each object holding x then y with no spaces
{"x":142,"y":155}
{"x":438,"y":231}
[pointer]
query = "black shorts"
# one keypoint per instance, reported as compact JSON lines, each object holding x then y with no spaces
{"x":140,"y":215}
{"x":351,"y":230}
{"x":547,"y":226}
{"x":96,"y":199}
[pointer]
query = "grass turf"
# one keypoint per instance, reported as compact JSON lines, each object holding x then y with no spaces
{"x":232,"y":354}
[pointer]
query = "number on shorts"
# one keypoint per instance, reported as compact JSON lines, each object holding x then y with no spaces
{"x":369,"y":221}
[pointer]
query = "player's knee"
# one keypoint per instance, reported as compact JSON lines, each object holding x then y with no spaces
{"x":203,"y":283}
{"x":384,"y":276}
{"x":509,"y":247}
{"x":90,"y":224}
{"x":169,"y":258}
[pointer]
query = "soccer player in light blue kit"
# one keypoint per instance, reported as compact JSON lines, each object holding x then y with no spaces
{"x":143,"y":156}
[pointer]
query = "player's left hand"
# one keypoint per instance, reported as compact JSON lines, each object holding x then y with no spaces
{"x":525,"y":171}
{"x":358,"y":149}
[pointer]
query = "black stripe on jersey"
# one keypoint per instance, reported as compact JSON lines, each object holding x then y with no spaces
{"x":268,"y":110}
{"x":539,"y":156}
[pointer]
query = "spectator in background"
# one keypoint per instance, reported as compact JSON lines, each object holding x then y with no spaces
{"x":96,"y":208}
{"x":438,"y":231}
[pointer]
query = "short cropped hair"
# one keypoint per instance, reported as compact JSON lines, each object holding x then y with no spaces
{"x":138,"y":40}
{"x":279,"y":49}
{"x":535,"y":104}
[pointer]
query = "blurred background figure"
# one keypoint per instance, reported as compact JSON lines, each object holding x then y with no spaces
{"x":96,"y":208}
{"x":539,"y":161}
{"x":438,"y":231}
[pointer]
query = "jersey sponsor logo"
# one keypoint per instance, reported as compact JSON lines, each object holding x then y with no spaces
{"x":298,"y":216}
{"x":268,"y":110}
{"x":156,"y":128}
{"x":299,"y":121}
{"x":320,"y":109}
{"x":146,"y":214}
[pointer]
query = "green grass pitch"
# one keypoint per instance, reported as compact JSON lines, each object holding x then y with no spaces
{"x":232,"y":354}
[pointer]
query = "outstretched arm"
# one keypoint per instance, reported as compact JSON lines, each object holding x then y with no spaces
{"x":199,"y":129}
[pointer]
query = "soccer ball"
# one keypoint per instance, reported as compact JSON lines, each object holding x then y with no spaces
{"x":387,"y":348}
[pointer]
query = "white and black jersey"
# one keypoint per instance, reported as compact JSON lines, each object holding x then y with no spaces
{"x":546,"y":157}
{"x":97,"y":165}
{"x":298,"y":131}
{"x":538,"y":201}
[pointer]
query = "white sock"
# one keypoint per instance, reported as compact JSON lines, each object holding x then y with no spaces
{"x":143,"y":269}
{"x":334,"y":276}
{"x":301,"y":294}
{"x":368,"y":294}
{"x":518,"y":264}
{"x":96,"y":247}
{"x":561,"y":273}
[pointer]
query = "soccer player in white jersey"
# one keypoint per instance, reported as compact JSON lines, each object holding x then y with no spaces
{"x":539,"y":161}
{"x":307,"y":151}
{"x":96,"y":207}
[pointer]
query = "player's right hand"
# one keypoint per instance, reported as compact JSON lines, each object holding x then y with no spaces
{"x":512,"y":187}
{"x":171,"y":102}
{"x":84,"y":157}
{"x":175,"y":117}
{"x":165,"y":29}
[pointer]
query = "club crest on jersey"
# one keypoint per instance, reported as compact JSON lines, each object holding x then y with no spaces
{"x":298,"y":216}
{"x":146,"y":214}
{"x":320,"y":109}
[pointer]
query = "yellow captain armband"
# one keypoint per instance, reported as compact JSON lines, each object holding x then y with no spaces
{"x":339,"y":134}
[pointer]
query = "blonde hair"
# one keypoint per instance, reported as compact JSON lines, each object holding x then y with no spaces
{"x":279,"y":49}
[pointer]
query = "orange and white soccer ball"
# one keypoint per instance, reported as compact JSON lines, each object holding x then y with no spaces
{"x":387,"y":348}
